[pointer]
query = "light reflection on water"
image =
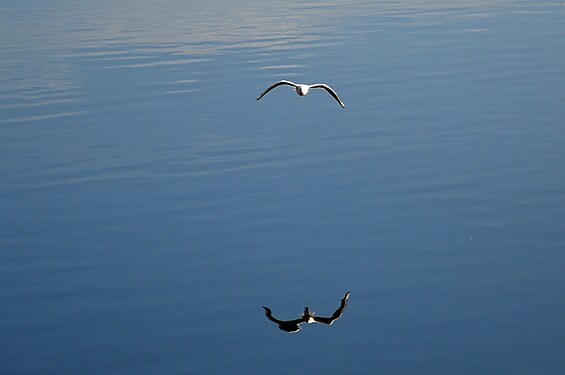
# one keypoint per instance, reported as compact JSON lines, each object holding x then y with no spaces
{"x":152,"y":205}
{"x":45,"y":43}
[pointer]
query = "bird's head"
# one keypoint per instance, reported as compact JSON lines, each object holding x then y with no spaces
{"x":307,"y":316}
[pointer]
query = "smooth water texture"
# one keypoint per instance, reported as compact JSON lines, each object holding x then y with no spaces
{"x":150,"y":206}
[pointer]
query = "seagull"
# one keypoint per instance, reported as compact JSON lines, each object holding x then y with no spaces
{"x":292,"y":326}
{"x":302,"y":89}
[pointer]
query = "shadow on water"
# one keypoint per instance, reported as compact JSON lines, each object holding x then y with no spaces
{"x":292,"y":326}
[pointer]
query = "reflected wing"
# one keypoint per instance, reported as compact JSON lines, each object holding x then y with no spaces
{"x":336,"y":315}
{"x":283,"y":82}
{"x":285,"y":325}
{"x":269,"y":315}
{"x":330,"y":90}
{"x":291,"y":325}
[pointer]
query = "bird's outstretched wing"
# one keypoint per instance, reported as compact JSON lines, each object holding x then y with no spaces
{"x":329,"y":90}
{"x":285,"y":325}
{"x":336,"y":314}
{"x":283,"y":82}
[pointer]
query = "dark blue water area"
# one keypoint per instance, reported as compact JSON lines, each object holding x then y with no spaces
{"x":151,"y":206}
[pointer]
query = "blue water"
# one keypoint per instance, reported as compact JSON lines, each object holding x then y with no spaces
{"x":150,"y":206}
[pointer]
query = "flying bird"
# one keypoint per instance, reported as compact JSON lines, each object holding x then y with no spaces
{"x":303,"y":89}
{"x":292,"y":326}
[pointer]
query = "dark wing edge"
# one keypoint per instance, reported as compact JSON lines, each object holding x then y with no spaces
{"x":330,"y":91}
{"x":268,"y":314}
{"x":283,"y":82}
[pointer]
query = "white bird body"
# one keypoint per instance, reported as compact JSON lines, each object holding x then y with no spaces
{"x":310,"y":319}
{"x":303,"y":89}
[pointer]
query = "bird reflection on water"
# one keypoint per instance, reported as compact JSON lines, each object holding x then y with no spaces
{"x":307,"y":317}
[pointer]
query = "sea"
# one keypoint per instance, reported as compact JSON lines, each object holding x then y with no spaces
{"x":150,"y":206}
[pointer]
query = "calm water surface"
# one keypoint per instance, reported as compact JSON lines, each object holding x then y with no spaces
{"x":150,"y":205}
